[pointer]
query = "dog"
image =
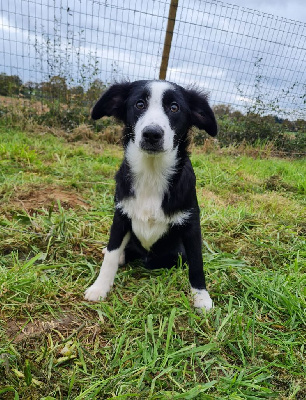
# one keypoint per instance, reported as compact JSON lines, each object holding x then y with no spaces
{"x":156,"y":216}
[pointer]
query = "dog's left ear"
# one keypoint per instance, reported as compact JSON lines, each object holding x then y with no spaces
{"x":202,"y":116}
{"x":112,"y":102}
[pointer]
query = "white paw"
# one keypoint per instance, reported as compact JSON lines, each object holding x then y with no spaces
{"x":96,"y":292}
{"x":202,"y":299}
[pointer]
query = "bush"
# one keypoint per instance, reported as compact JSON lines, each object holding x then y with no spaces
{"x":292,"y":143}
{"x":61,"y":117}
{"x":236,"y":129}
{"x":250,"y":128}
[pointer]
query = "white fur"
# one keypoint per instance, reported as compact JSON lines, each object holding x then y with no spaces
{"x":151,"y":177}
{"x":102,"y":285}
{"x":201,"y":299}
{"x":155,"y":115}
{"x":121,"y":259}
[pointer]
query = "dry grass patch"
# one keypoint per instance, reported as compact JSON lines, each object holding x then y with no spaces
{"x":276,"y":204}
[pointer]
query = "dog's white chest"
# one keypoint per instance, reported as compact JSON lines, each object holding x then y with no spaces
{"x":151,"y":177}
{"x":149,"y":222}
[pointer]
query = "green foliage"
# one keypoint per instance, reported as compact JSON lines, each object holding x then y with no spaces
{"x":9,"y":84}
{"x":251,"y":128}
{"x":295,"y":143}
{"x":60,"y":117}
{"x":254,"y":129}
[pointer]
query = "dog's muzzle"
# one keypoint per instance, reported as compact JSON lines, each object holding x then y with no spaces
{"x":152,"y":139}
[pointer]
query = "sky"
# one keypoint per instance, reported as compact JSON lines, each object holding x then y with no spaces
{"x":291,"y":9}
{"x":237,"y":51}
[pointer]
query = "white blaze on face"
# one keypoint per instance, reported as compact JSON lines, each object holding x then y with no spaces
{"x":155,"y":115}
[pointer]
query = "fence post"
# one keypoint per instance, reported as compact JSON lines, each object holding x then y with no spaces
{"x":168,"y":39}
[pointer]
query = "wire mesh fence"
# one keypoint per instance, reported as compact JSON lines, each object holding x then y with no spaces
{"x":62,"y":50}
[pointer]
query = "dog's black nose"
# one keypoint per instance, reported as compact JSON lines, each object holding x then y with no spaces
{"x":152,"y":134}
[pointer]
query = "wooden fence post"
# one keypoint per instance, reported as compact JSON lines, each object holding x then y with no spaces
{"x":168,"y":39}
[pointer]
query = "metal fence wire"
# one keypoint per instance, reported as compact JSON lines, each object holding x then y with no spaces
{"x":241,"y":56}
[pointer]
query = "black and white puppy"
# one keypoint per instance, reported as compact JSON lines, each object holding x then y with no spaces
{"x":157,"y":215}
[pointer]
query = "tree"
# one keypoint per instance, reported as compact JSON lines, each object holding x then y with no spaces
{"x":55,"y":89}
{"x":300,"y":125}
{"x":9,"y":84}
{"x":96,"y":88}
{"x":222,"y":109}
{"x":29,"y":89}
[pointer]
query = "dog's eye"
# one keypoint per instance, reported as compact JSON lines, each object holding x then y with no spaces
{"x":174,"y":107}
{"x":140,"y":104}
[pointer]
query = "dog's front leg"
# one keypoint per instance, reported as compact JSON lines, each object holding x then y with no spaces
{"x":119,"y":237}
{"x":192,"y":241}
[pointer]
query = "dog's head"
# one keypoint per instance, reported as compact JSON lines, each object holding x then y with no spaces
{"x":157,"y":114}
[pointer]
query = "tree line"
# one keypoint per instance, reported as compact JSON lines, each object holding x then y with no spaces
{"x":55,"y":88}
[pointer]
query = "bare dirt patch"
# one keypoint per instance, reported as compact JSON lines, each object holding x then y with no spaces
{"x":46,"y":197}
{"x":68,"y":326}
{"x":21,"y":330}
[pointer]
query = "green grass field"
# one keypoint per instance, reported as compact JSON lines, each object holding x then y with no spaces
{"x":146,"y":341}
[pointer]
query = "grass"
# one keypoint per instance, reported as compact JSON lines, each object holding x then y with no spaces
{"x":146,"y":341}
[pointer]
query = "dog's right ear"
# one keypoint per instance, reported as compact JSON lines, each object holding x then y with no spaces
{"x":112,"y":102}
